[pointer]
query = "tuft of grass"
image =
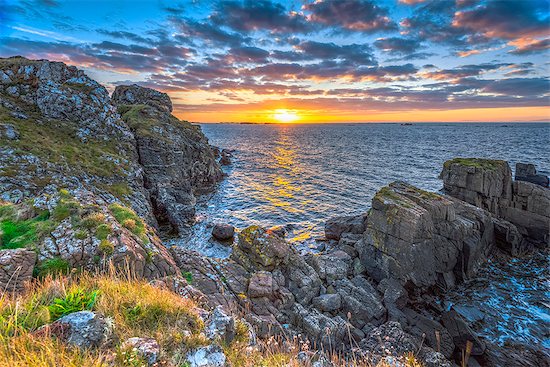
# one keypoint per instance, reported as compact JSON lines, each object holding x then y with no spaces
{"x":130,"y":220}
{"x":92,"y":221}
{"x":106,"y":247}
{"x":75,"y":300}
{"x":21,"y":233}
{"x":55,"y":266}
{"x":188,"y":276}
{"x":103,"y":231}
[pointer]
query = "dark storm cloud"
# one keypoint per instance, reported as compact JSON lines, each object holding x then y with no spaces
{"x":397,"y":45}
{"x":354,"y":15}
{"x":253,"y":15}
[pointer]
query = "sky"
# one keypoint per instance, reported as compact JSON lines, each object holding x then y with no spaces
{"x":304,"y":61}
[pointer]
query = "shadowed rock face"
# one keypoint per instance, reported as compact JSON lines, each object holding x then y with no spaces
{"x":177,"y":160}
{"x":488,"y":184}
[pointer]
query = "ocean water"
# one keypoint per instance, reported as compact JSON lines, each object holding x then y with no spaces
{"x":300,"y":175}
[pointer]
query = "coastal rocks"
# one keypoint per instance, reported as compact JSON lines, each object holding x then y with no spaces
{"x":177,"y":160}
{"x":423,"y":238}
{"x":461,"y":333}
{"x":146,"y":348}
{"x":258,"y":249}
{"x":223,"y":231}
{"x":336,"y":226}
{"x":210,"y":356}
{"x":527,"y":172}
{"x":83,"y":329}
{"x":328,"y":302}
{"x":225,"y":157}
{"x":16,"y":268}
{"x":134,"y":94}
{"x":220,"y":326}
{"x":488,"y":184}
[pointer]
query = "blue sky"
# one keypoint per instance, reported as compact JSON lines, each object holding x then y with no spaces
{"x":360,"y":60}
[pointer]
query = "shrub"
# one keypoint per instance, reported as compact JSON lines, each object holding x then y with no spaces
{"x":75,"y":300}
{"x":54,"y":266}
{"x":129,"y":224}
{"x":127,"y":218}
{"x":103,"y":231}
{"x":92,"y":221}
{"x":106,"y":247}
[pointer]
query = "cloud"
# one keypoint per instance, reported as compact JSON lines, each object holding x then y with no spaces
{"x":248,"y":54}
{"x":529,"y":46}
{"x":397,"y":45}
{"x":254,"y":15}
{"x":464,"y":71}
{"x":352,"y":15}
{"x":520,"y":87}
{"x":192,"y":30}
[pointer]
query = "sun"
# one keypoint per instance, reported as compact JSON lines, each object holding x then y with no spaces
{"x":285,"y":116}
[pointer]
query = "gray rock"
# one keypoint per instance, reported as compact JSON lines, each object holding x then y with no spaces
{"x":332,"y":266}
{"x":84,"y":329}
{"x":260,"y":249}
{"x":527,"y":172}
{"x":424,"y":238}
{"x":210,"y":356}
{"x":336,"y":226}
{"x":135,"y":95}
{"x":509,"y":239}
{"x":223,"y":231}
{"x":461,"y":333}
{"x":393,"y":293}
{"x":328,"y":302}
{"x":361,"y":301}
{"x":9,"y":131}
{"x":16,"y":268}
{"x":220,"y":326}
{"x":146,"y":348}
{"x":262,"y":284}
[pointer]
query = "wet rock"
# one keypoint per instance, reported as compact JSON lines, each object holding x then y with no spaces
{"x":146,"y":348}
{"x":424,"y":238}
{"x":16,"y":268}
{"x":527,"y":172}
{"x":220,"y":326}
{"x":328,"y":302}
{"x":436,"y":336}
{"x":223,"y":231}
{"x":83,"y":329}
{"x":470,"y":313}
{"x":210,"y":356}
{"x":462,"y":333}
{"x":509,"y":239}
{"x":225,"y":157}
{"x":336,"y":226}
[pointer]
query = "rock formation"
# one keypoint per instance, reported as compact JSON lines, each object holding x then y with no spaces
{"x":178,"y":163}
{"x":488,"y":184}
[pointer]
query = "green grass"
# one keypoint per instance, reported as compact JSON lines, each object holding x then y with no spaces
{"x":188,"y":276}
{"x":130,"y":220}
{"x":21,"y":233}
{"x":54,"y":266}
{"x":489,"y":164}
{"x":75,"y":300}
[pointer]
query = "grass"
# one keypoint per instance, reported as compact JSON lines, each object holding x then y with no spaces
{"x":130,"y":220}
{"x":55,"y":266}
{"x":16,"y":233}
{"x":489,"y":164}
{"x":75,"y":300}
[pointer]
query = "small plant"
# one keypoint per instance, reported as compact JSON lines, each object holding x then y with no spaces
{"x":54,"y":266}
{"x":129,"y":357}
{"x":65,"y":208}
{"x":188,"y":276}
{"x":103,"y":231}
{"x":130,"y":220}
{"x":80,"y":235}
{"x":92,"y":221}
{"x":106,"y":247}
{"x":129,"y":224}
{"x":74,"y":301}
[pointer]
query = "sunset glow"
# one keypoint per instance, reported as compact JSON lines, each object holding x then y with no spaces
{"x":304,"y":62}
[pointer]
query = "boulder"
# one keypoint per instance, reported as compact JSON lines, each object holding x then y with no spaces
{"x":223,"y":231}
{"x":83,"y":329}
{"x":332,"y":266}
{"x":16,"y":267}
{"x":336,"y":226}
{"x":393,"y":293}
{"x":360,"y":301}
{"x":461,"y":333}
{"x":138,"y":95}
{"x":527,"y":172}
{"x":509,"y":239}
{"x":328,"y":302}
{"x":259,"y":249}
{"x":225,"y":157}
{"x":209,"y":356}
{"x":423,"y":238}
{"x":220,"y":326}
{"x":146,"y":348}
{"x":262,"y":284}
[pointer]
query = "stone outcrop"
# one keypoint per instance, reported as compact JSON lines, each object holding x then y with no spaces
{"x":83,"y":329}
{"x":488,"y":184}
{"x":528,"y":172}
{"x":177,"y":160}
{"x":423,"y":238}
{"x":16,"y":268}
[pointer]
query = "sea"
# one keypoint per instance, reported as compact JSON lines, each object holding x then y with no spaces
{"x":299,"y":175}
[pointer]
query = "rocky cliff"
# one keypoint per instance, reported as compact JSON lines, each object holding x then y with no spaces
{"x":177,"y":160}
